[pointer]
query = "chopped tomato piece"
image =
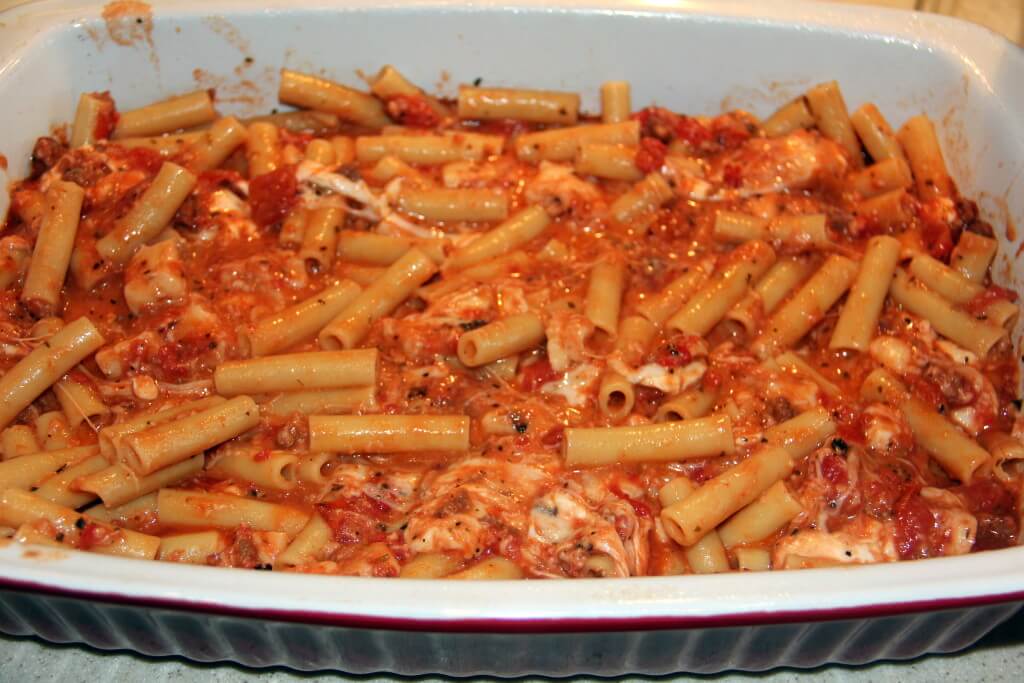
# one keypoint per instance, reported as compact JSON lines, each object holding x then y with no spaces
{"x":209,"y":181}
{"x":729,"y":132}
{"x":412,"y":110}
{"x":914,"y":523}
{"x":935,"y":231}
{"x":108,"y":117}
{"x":987,"y":496}
{"x":833,"y":468}
{"x":272,"y":195}
{"x":94,"y":535}
{"x":675,"y":353}
{"x":650,"y":155}
{"x":554,"y":436}
{"x":732,"y":175}
{"x":692,"y":131}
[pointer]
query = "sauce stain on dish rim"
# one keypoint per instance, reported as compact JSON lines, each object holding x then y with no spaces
{"x":129,"y":22}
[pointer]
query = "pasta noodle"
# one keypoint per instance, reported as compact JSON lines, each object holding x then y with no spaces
{"x":150,"y":214}
{"x":92,"y":118}
{"x":454,"y":205}
{"x":118,"y":485}
{"x":388,"y":433}
{"x":510,"y":235}
{"x":30,"y":469}
{"x":859,"y":317}
{"x":390,"y":83}
{"x":302,"y":321}
{"x":562,"y":144}
{"x":650,"y":443}
{"x":500,"y":339}
{"x":297,"y":372}
{"x":615,"y":162}
{"x":170,"y":443}
{"x":170,"y":115}
{"x":724,"y":290}
{"x":808,"y":306}
{"x":322,"y":402}
{"x":320,"y":239}
{"x":830,"y":114}
{"x":310,"y":92}
{"x":615,"y":101}
{"x":18,"y":440}
{"x":52,"y":255}
{"x":427,"y":149}
{"x":706,"y":556}
{"x":271,"y":470}
{"x":380,"y":298}
{"x":188,"y":509}
{"x":74,"y":529}
{"x":224,"y":136}
{"x":956,"y":453}
{"x":537,"y":106}
{"x":695,"y":516}
{"x":79,"y":401}
{"x":954,"y":323}
{"x":604,"y":295}
{"x":789,"y":117}
{"x":919,"y":141}
{"x":39,"y":370}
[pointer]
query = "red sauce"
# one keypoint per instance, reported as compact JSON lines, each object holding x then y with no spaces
{"x":915,"y":524}
{"x":144,"y":159}
{"x":537,"y":374}
{"x":992,"y":293}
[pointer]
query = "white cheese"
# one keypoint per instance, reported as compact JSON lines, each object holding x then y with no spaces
{"x":576,"y":387}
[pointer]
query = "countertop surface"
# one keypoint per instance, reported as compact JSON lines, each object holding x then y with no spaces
{"x":998,"y":657}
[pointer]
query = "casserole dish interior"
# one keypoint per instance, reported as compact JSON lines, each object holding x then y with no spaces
{"x":698,"y":58}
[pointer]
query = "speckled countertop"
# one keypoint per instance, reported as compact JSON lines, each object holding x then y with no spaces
{"x":998,"y":657}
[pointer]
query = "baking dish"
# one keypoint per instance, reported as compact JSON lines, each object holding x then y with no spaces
{"x":692,"y":57}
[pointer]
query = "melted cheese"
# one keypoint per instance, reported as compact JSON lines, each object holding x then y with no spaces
{"x":577,"y":387}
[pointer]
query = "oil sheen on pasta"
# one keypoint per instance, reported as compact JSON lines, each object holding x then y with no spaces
{"x":390,"y":335}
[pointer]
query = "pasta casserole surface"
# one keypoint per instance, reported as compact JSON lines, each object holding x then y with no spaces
{"x":385,"y":334}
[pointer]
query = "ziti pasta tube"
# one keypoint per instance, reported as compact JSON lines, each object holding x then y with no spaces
{"x":39,"y":370}
{"x":668,"y":441}
{"x":148,"y":451}
{"x":388,"y":433}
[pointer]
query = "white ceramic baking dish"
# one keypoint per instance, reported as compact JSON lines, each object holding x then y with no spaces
{"x":689,"y":56}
